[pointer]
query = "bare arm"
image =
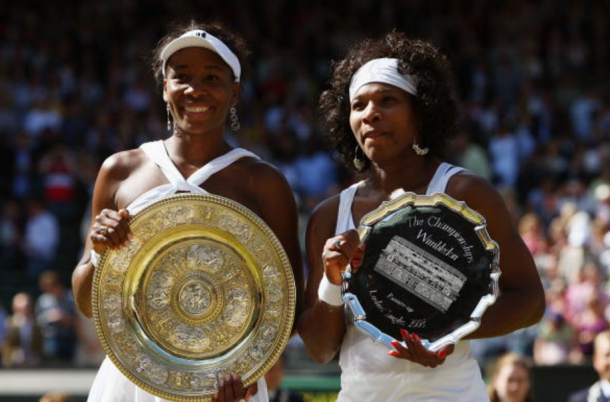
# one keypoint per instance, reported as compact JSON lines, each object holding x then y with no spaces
{"x":321,"y":325}
{"x":103,"y":213}
{"x":278,"y":209}
{"x":521,"y":302}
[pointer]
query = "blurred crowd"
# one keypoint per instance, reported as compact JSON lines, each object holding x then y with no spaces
{"x":75,"y":87}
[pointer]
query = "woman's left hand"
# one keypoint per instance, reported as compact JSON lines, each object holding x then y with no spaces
{"x":417,"y":352}
{"x":231,"y":389}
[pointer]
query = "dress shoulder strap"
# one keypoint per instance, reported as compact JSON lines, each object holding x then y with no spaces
{"x":218,"y":164}
{"x":443,"y":173}
{"x":157,"y":152}
{"x":345,"y":220}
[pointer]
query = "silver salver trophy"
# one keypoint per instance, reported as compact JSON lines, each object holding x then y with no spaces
{"x":429,"y":266}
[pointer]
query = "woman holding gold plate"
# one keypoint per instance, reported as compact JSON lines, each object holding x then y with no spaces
{"x":200,"y":70}
{"x":390,"y":111}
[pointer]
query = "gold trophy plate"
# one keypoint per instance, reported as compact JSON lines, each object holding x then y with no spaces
{"x":204,"y":289}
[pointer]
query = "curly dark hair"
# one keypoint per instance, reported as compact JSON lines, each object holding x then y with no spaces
{"x":235,"y":42}
{"x":435,"y":104}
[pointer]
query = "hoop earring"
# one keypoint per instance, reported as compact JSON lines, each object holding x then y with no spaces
{"x":358,"y":163}
{"x":169,"y":119}
{"x":420,"y":151}
{"x":235,"y":126}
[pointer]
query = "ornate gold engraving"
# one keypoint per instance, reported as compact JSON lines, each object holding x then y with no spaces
{"x":203,"y":290}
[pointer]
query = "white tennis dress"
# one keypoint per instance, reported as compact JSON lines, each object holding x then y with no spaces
{"x":369,"y":374}
{"x":110,"y":385}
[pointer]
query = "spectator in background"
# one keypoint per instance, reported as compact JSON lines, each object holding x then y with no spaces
{"x":10,"y":229}
{"x":472,"y":156}
{"x":56,"y":317}
{"x":504,"y":154}
{"x":40,"y":240}
{"x":591,"y":321}
{"x":25,"y":176}
{"x":89,"y":351}
{"x":59,"y":172}
{"x":274,"y":378}
{"x":555,"y":342}
{"x":511,"y":379}
{"x":55,"y":397}
{"x":583,"y":111}
{"x":7,"y":162}
{"x":578,"y":293}
{"x":317,"y":174}
{"x":531,"y":231}
{"x":42,"y":115}
{"x":575,"y":253}
{"x":3,"y":326}
{"x":23,"y":343}
{"x":600,"y":391}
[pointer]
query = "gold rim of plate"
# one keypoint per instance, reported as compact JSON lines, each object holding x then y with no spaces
{"x":204,"y":289}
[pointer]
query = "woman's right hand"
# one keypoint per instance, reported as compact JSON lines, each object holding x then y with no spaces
{"x":338,"y":252}
{"x":231,"y":389}
{"x":416,"y":352}
{"x":110,"y":229}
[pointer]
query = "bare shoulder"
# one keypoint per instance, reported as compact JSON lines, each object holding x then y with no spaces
{"x":261,"y":170}
{"x":119,"y":165}
{"x":261,"y":178}
{"x":323,"y":219}
{"x":113,"y":176}
{"x":478,"y":193}
{"x":327,"y":208}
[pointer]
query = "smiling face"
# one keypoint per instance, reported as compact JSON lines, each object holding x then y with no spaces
{"x":383,"y":120}
{"x":199,"y":90}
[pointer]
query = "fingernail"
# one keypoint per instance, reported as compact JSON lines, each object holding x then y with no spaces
{"x":415,"y":337}
{"x":404,"y":333}
{"x":395,"y":343}
{"x":393,"y":353}
{"x":442,"y":354}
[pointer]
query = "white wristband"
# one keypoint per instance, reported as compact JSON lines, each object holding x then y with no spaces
{"x":330,"y":293}
{"x":95,"y":258}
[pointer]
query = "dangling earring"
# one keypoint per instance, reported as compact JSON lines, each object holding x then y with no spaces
{"x":169,"y":119}
{"x":420,"y":151}
{"x":358,"y":163}
{"x":235,"y":126}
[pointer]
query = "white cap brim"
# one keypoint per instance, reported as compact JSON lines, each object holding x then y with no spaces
{"x":200,"y":38}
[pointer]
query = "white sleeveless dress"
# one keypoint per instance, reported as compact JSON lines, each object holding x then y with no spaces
{"x":369,"y":374}
{"x":110,"y":385}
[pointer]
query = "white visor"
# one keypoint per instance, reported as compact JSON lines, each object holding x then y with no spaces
{"x":200,"y":38}
{"x":385,"y":71}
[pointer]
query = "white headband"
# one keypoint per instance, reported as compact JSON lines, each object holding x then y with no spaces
{"x":383,"y":70}
{"x":200,"y":38}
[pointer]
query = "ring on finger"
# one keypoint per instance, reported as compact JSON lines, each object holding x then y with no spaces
{"x":337,"y":245}
{"x":103,"y":230}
